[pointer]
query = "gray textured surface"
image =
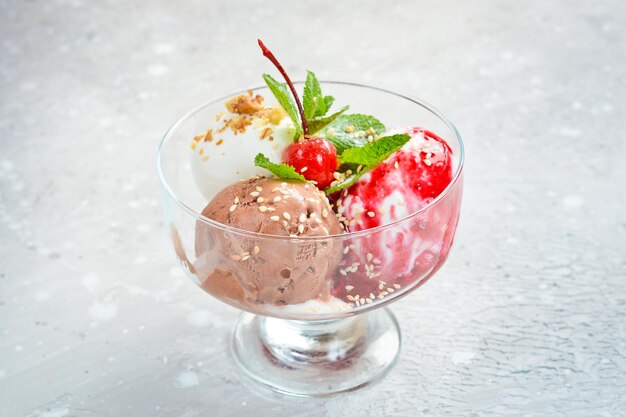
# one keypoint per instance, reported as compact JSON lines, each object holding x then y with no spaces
{"x":527,"y":317}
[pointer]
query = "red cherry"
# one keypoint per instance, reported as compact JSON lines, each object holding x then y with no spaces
{"x":314,"y":158}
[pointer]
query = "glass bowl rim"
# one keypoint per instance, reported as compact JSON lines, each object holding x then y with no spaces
{"x":346,"y":235}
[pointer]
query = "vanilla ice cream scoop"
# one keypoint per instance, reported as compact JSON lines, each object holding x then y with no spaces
{"x":225,"y":153}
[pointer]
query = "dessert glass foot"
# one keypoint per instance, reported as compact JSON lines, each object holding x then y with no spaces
{"x":316,"y":358}
{"x":315,"y":320}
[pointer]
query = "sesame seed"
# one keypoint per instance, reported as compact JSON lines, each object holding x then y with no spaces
{"x":254,"y":193}
{"x":342,"y":272}
{"x":201,"y":151}
{"x":395,"y":165}
{"x":349,"y":129}
{"x":428,"y":162}
{"x":245,"y":258}
{"x":271,"y":209}
{"x":236,"y":200}
{"x":232,"y":208}
{"x":259,"y":200}
{"x":262,"y":209}
{"x":301,"y":228}
{"x":277,"y":199}
{"x":368,"y":301}
{"x":356,"y":297}
{"x":302,"y":217}
{"x":371,"y":213}
{"x":287,"y":216}
{"x":219,"y":142}
{"x":362,"y":301}
{"x":390,"y":290}
{"x":324,"y":213}
{"x":283,"y":184}
{"x":372,"y":296}
{"x":376,"y":261}
{"x":259,"y":189}
{"x":396,"y":286}
{"x":194,"y":144}
{"x":304,"y":169}
{"x":349,"y":297}
{"x":256,"y":250}
{"x":274,"y":218}
{"x":346,"y":250}
{"x":349,"y":287}
{"x":318,"y":220}
{"x":369,"y":257}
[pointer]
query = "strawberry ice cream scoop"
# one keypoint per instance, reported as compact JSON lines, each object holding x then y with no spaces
{"x":403,"y":184}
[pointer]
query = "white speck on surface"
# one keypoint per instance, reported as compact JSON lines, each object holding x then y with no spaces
{"x":462,"y":357}
{"x":572,"y":202}
{"x":105,"y":122}
{"x":103,"y":311}
{"x":58,"y":412}
{"x":19,"y":348}
{"x":186,"y":380}
{"x":158,"y":70}
{"x":176,"y":272}
{"x":199,"y":318}
{"x":569,"y":132}
{"x":90,"y":282}
{"x":42,"y":295}
{"x":28,"y":86}
{"x":139,"y":260}
{"x":163,"y":48}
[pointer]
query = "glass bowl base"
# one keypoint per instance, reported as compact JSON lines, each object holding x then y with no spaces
{"x":316,"y":358}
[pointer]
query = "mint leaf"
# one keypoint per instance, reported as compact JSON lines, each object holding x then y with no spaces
{"x":312,"y":95}
{"x":283,"y":95}
{"x":328,"y":101}
{"x":318,"y":123}
{"x":315,"y":104}
{"x":280,"y":170}
{"x":366,"y":158}
{"x":372,"y":154}
{"x":348,"y":131}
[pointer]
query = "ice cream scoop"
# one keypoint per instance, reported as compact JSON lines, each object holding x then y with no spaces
{"x":404,"y":183}
{"x":246,"y":127}
{"x":245,"y":269}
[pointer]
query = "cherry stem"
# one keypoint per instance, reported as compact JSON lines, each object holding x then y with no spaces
{"x":269,"y":55}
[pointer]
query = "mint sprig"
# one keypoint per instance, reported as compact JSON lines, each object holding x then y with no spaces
{"x":368,"y":157}
{"x":282,"y":94}
{"x":348,"y":131}
{"x":280,"y":170}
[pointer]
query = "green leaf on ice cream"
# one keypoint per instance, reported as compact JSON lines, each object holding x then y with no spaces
{"x":366,"y":158}
{"x":352,"y":130}
{"x":280,"y":170}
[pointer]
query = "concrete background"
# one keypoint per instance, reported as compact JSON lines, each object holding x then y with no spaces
{"x":527,"y":317}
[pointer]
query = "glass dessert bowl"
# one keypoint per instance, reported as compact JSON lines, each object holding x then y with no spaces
{"x":312,"y":322}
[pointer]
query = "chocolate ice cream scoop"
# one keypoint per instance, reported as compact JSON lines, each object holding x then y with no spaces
{"x":244,"y":269}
